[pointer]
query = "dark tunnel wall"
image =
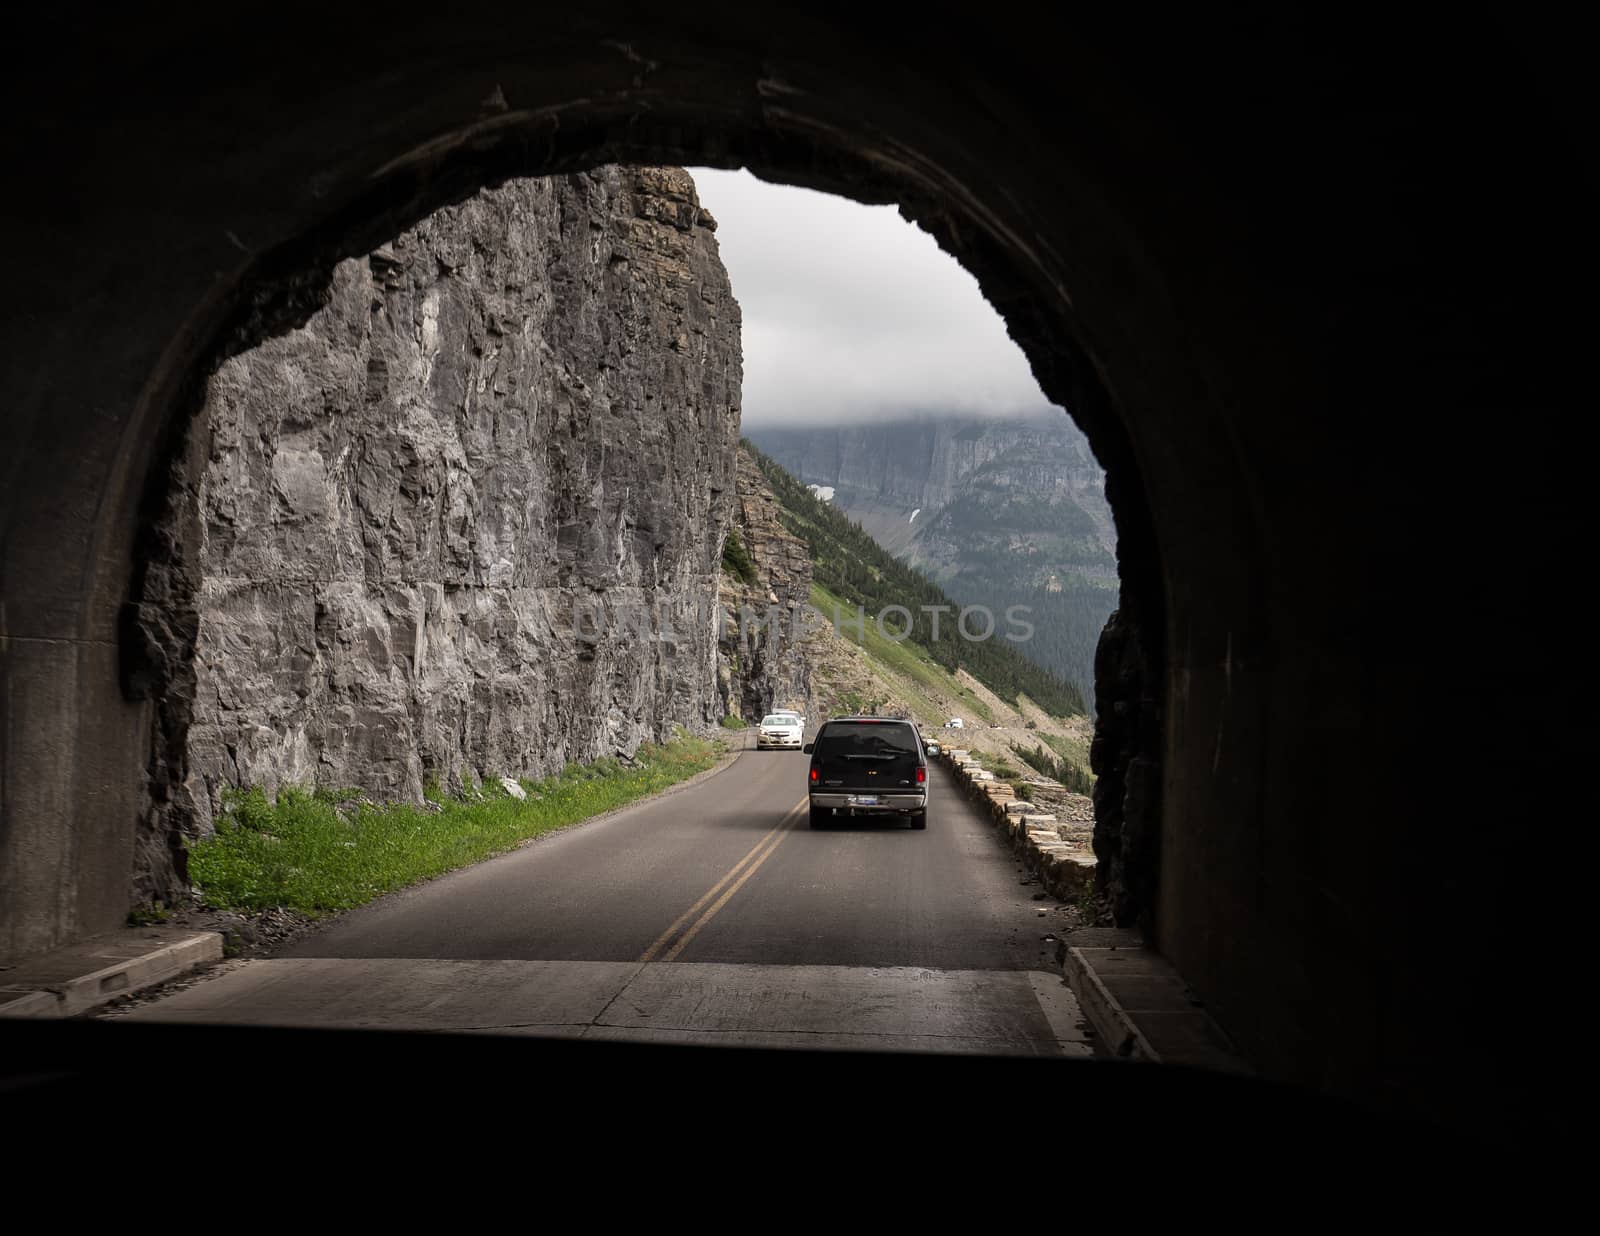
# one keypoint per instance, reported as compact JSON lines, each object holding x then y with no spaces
{"x":1282,"y":275}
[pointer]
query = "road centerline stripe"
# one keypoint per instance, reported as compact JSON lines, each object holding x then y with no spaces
{"x":724,"y":899}
{"x":660,"y":941}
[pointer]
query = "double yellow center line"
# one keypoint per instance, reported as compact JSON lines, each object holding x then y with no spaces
{"x":759,"y":853}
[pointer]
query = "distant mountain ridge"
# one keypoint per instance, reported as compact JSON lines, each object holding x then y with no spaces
{"x":896,"y":467}
{"x":998,"y":512}
{"x":849,"y":567}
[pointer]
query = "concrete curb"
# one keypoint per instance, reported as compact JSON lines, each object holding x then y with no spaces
{"x":1116,"y":1030}
{"x":1141,"y":1009}
{"x":1137,"y":1003}
{"x":131,"y":974}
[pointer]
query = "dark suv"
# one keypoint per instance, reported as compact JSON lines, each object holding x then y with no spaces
{"x":868,"y":766}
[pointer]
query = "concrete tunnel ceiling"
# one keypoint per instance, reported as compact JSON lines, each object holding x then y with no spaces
{"x":1203,"y":308}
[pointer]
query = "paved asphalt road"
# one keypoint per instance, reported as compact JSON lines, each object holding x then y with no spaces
{"x":711,"y":913}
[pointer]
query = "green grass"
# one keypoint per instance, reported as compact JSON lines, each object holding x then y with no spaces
{"x":1072,"y":750}
{"x":302,"y":854}
{"x":731,"y":722}
{"x":1077,"y":780}
{"x":993,"y":763}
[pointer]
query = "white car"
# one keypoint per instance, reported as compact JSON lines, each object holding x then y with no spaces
{"x":780,"y":731}
{"x":955,"y":723}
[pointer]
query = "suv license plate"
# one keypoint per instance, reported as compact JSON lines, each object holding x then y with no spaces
{"x":867,"y":800}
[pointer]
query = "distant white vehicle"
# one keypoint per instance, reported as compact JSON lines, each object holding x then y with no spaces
{"x":955,"y":723}
{"x":780,"y":731}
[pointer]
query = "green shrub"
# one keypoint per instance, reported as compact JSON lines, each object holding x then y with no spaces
{"x":147,"y":914}
{"x":1072,"y":777}
{"x":737,"y":558}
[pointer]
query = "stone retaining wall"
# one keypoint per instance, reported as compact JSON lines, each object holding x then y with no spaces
{"x":1065,"y":868}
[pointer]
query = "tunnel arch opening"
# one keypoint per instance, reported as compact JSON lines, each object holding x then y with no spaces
{"x":1218,"y":262}
{"x":1290,"y":254}
{"x":280,"y":289}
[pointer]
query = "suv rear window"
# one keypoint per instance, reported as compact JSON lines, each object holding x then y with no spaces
{"x":842,"y":738}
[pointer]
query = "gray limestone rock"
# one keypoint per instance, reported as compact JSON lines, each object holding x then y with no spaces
{"x":420,"y":536}
{"x":764,"y":660}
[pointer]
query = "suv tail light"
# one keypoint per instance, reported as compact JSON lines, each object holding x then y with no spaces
{"x":813,"y":776}
{"x":922,"y":773}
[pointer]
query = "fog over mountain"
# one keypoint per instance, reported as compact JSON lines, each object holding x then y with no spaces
{"x":853,"y":314}
{"x":875,"y":371}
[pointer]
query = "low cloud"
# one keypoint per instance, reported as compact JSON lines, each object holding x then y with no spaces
{"x":852,"y":312}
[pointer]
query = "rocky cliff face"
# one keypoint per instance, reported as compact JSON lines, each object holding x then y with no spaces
{"x":417,"y":538}
{"x":883,"y":473}
{"x":760,"y":669}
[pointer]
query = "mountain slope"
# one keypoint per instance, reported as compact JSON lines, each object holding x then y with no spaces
{"x":853,"y":568}
{"x":827,"y":672}
{"x":997,"y":512}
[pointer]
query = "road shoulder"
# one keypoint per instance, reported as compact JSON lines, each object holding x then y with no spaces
{"x":115,"y":974}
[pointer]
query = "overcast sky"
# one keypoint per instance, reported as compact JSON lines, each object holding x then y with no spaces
{"x":851,"y":312}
